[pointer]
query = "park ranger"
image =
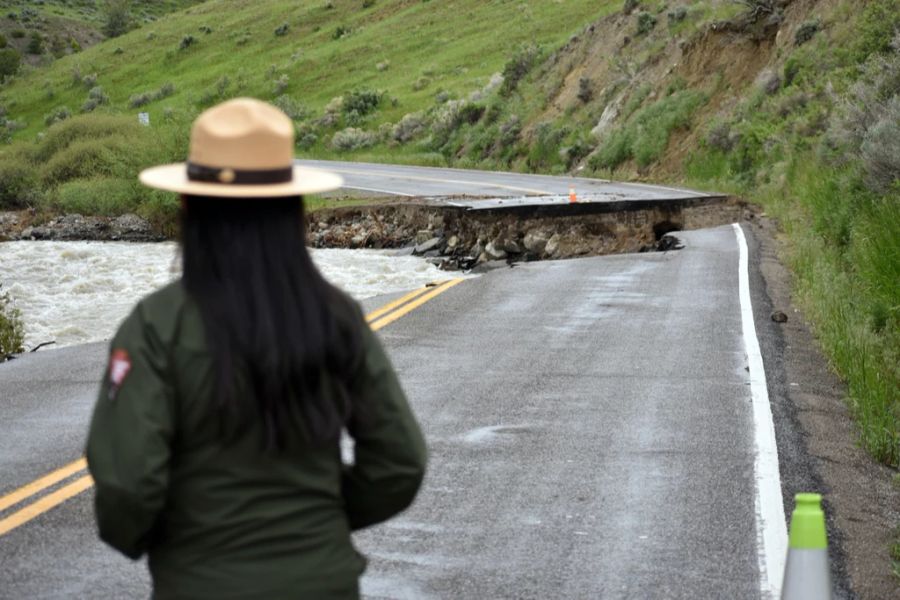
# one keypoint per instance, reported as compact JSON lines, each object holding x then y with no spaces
{"x":215,"y":440}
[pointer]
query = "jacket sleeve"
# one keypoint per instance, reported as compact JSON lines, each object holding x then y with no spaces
{"x":129,"y":443}
{"x":390,"y":452}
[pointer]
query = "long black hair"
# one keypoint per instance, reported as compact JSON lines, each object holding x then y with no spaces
{"x":274,"y":326}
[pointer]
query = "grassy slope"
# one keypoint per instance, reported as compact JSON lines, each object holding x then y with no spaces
{"x":457,"y":45}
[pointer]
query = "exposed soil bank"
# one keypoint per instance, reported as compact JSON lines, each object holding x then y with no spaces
{"x":454,"y":237}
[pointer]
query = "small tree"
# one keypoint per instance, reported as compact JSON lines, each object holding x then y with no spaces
{"x":35,"y":44}
{"x":12,"y":331}
{"x":10,"y":59}
{"x":118,"y":18}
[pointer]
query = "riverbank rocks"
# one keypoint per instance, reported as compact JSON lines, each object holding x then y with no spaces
{"x":129,"y":228}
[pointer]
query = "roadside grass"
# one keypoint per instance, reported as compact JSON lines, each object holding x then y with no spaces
{"x":12,"y":329}
{"x":846,"y":268}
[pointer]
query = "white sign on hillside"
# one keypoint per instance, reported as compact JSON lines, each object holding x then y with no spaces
{"x":144,"y":119}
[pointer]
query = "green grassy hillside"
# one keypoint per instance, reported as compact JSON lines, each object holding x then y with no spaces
{"x":44,"y":30}
{"x":409,"y":49}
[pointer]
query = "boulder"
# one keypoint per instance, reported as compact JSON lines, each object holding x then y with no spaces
{"x":493,"y":252}
{"x":428,"y":245}
{"x":535,"y":241}
{"x":552,"y":246}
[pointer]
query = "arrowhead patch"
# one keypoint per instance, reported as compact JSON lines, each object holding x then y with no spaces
{"x":119,"y":366}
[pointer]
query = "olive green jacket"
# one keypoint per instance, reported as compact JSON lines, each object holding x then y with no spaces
{"x":224,"y":520}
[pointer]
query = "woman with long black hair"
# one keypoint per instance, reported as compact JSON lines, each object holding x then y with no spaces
{"x":215,"y":440}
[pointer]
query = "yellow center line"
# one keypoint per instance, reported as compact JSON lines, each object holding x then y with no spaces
{"x":391,"y":317}
{"x":40,"y":484}
{"x":44,"y":504}
{"x":378,"y":318}
{"x":392,"y":305}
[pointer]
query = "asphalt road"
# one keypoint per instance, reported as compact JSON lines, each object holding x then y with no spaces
{"x":589,"y":423}
{"x":435,"y":182}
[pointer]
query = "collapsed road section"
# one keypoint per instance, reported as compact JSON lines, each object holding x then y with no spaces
{"x":459,"y":234}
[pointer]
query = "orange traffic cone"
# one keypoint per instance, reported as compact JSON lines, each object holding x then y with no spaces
{"x":572,"y":197}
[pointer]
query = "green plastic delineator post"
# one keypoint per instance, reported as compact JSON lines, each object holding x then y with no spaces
{"x":808,"y":523}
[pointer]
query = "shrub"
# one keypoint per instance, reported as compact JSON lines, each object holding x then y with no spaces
{"x":880,"y":150}
{"x":629,"y":6}
{"x":363,"y":102}
{"x":307,"y":140}
{"x":18,"y":181}
{"x":10,"y":60}
{"x":3,"y":42}
{"x":35,"y":44}
{"x":421,"y":83}
{"x":876,"y":28}
{"x":186,"y":42}
{"x":806,"y":31}
{"x":89,"y":81}
{"x":282,"y":30}
{"x":291,"y":107}
{"x":517,"y":67}
{"x":352,"y":138}
{"x":408,"y":128}
{"x":368,"y":3}
{"x":340,"y":31}
{"x":676,"y":15}
{"x":585,"y":91}
{"x":721,"y":138}
{"x":206,"y":29}
{"x":12,"y":330}
{"x":139,"y":100}
{"x":280,"y":84}
{"x":383,"y":65}
{"x":117,"y":19}
{"x":544,"y":151}
{"x":645,"y":23}
{"x":17,"y":33}
{"x":59,"y":114}
{"x":96,"y":97}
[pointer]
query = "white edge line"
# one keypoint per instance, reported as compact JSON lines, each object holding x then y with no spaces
{"x":771,"y":530}
{"x":368,"y":189}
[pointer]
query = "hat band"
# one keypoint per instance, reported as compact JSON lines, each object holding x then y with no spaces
{"x":230,"y":176}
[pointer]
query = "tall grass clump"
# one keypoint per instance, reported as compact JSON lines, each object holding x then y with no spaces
{"x":645,"y":136}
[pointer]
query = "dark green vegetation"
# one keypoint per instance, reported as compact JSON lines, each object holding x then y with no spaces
{"x":793,"y":105}
{"x":12,"y":330}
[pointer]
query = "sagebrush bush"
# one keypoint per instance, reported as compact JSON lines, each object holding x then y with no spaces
{"x":292,"y":107}
{"x":282,"y":30}
{"x":807,"y":31}
{"x":352,"y":138}
{"x":138,"y":100}
{"x":517,"y":67}
{"x":58,"y":114}
{"x":96,"y":98}
{"x":364,"y":102}
{"x":645,"y":23}
{"x":408,"y":128}
{"x":880,"y":151}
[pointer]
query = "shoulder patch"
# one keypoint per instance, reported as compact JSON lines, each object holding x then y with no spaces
{"x":119,"y":366}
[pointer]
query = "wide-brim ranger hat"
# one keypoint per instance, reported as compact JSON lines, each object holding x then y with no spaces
{"x":242,"y":148}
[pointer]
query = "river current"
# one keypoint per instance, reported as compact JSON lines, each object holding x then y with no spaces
{"x":78,"y":292}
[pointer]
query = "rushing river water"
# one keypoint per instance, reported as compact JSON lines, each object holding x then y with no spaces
{"x":77,"y":292}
